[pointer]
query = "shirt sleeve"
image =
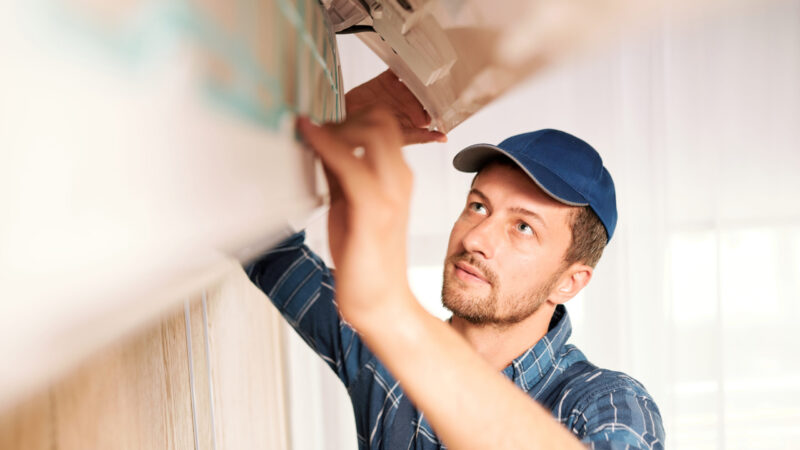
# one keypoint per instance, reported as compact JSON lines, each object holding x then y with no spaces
{"x":623,"y":418}
{"x":301,"y":286}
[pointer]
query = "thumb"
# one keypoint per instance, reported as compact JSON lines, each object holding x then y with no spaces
{"x":422,"y":136}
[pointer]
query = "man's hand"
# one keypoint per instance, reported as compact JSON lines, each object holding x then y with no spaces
{"x":370,"y":187}
{"x":387,"y":91}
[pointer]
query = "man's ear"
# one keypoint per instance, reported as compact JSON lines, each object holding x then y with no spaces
{"x":575,"y":278}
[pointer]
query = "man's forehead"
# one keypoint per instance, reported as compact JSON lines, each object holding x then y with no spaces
{"x":509,"y":181}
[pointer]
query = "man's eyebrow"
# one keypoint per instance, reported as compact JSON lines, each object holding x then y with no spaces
{"x":480,"y":194}
{"x":515,"y":209}
{"x":529,"y":213}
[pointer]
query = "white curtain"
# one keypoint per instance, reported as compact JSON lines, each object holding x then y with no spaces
{"x":698,"y":294}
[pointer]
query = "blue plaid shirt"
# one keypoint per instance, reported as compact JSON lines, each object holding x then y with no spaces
{"x":603,"y":408}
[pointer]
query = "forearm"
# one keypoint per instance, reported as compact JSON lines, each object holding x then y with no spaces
{"x":456,"y":389}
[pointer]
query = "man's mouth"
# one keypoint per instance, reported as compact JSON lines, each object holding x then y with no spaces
{"x":467,"y":272}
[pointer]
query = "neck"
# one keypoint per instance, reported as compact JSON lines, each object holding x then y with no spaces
{"x":500,"y":344}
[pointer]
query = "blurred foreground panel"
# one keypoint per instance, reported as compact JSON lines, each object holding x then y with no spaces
{"x":147,"y":147}
{"x":207,"y":376}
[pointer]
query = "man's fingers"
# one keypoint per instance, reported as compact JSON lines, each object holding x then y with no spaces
{"x":378,"y":134}
{"x":403,"y":101}
{"x":422,"y":136}
{"x":410,"y":106}
{"x":344,"y":169}
{"x":389,"y":91}
{"x":363,"y":153}
{"x":374,"y":128}
{"x":334,"y":186}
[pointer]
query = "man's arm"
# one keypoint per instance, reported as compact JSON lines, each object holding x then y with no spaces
{"x":298,"y":282}
{"x":468,"y":404}
{"x":300,"y":285}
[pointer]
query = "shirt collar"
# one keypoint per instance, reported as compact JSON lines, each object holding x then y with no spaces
{"x":529,"y":368}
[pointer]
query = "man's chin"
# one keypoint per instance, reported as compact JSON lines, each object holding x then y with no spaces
{"x":481,"y":311}
{"x":467,"y":307}
{"x":473,"y":319}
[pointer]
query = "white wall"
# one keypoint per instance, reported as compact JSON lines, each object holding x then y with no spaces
{"x":698,"y":294}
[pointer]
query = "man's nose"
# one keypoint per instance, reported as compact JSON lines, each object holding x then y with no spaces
{"x":483,"y":238}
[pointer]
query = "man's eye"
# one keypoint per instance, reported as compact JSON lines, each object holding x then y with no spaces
{"x":524,"y":228}
{"x":477,"y":207}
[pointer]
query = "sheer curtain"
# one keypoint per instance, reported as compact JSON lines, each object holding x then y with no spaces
{"x":698,"y":295}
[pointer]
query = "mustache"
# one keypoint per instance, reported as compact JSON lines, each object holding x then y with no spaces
{"x":468,"y":258}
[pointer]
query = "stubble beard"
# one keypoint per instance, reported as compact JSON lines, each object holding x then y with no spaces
{"x":483,"y":309}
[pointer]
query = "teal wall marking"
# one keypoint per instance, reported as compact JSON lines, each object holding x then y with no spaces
{"x":161,"y":25}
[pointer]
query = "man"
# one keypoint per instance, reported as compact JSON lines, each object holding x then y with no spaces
{"x":539,"y":213}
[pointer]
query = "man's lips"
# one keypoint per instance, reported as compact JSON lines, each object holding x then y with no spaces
{"x":469,"y":272}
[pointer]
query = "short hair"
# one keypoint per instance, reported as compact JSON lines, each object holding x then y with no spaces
{"x":589,"y":237}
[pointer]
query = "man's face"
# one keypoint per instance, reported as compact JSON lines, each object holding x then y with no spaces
{"x":506,"y":249}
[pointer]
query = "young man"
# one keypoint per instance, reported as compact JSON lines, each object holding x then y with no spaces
{"x":535,"y":222}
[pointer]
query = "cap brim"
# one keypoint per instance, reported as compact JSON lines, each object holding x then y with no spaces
{"x":472,"y":158}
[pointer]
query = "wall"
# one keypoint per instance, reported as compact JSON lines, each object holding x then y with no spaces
{"x":208,"y":376}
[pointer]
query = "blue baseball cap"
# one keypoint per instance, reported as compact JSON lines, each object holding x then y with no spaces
{"x":563,"y":166}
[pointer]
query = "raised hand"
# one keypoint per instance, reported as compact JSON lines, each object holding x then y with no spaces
{"x":387,"y":91}
{"x":370,"y":187}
